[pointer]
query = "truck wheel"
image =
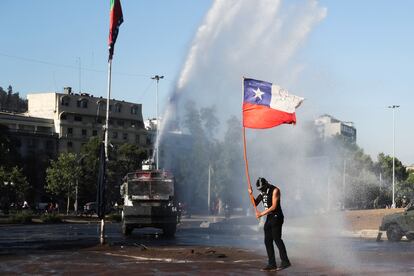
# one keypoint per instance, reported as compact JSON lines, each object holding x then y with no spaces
{"x":394,"y":233}
{"x":169,"y":230}
{"x":410,"y":237}
{"x":126,"y":229}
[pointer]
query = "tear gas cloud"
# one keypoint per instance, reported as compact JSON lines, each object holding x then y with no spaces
{"x":259,"y":39}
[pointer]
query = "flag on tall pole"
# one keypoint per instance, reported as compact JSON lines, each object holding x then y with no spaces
{"x":265,"y":105}
{"x":115,"y":20}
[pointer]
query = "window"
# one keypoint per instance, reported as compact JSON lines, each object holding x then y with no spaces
{"x":70,"y":144}
{"x":65,"y":101}
{"x":63,"y":117}
{"x":94,"y":132}
{"x":115,"y":135}
{"x":120,"y":123}
{"x":27,"y":127}
{"x":118,"y":108}
{"x":84,"y":132}
{"x":125,"y":136}
{"x":43,"y":129}
{"x":78,"y":118}
{"x":101,"y":105}
{"x":83,"y":103}
{"x":134,"y":109}
{"x":70,"y":131}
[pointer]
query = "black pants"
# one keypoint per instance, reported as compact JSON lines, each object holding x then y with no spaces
{"x":273,"y":232}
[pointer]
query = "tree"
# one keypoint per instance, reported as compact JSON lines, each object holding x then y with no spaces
{"x":62,"y":175}
{"x":124,"y":159}
{"x":352,"y":173}
{"x":228,"y":166}
{"x":196,"y":161}
{"x":406,"y":188}
{"x":10,"y":101}
{"x":210,"y":121}
{"x":384,"y":166}
{"x":13,"y":187}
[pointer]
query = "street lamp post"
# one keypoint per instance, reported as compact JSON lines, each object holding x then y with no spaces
{"x":157,"y":78}
{"x":393,"y":107}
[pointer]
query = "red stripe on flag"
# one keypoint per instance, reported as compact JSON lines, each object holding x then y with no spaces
{"x":260,"y":116}
{"x":115,"y":20}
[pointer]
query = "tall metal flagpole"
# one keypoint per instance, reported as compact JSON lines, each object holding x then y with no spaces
{"x":102,"y":229}
{"x":107,"y":108}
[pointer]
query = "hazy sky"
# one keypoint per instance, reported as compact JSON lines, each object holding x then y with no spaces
{"x":354,"y":63}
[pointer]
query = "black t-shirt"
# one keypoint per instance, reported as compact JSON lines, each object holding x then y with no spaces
{"x":267,"y":198}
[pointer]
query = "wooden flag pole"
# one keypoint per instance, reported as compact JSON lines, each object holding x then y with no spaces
{"x":249,"y":185}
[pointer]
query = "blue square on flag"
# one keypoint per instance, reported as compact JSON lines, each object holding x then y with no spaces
{"x":257,"y":92}
{"x":267,"y":105}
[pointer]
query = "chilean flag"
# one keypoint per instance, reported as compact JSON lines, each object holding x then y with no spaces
{"x":267,"y":105}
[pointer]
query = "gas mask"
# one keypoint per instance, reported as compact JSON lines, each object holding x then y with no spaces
{"x":261,"y":184}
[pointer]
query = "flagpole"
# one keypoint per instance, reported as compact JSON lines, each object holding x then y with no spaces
{"x":107,"y":108}
{"x":102,"y":228}
{"x":249,"y":185}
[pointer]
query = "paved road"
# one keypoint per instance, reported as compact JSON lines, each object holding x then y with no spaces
{"x":337,"y":254}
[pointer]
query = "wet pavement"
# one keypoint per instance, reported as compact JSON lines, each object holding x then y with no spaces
{"x":73,"y":248}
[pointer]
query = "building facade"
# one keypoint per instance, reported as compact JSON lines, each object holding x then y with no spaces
{"x":329,"y":126}
{"x":78,"y":117}
{"x":32,"y":135}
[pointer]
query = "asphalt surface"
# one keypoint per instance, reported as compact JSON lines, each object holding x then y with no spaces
{"x":33,"y":249}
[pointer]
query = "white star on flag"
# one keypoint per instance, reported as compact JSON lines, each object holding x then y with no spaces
{"x":258,"y":93}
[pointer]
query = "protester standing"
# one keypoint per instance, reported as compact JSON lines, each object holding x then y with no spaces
{"x":270,"y":196}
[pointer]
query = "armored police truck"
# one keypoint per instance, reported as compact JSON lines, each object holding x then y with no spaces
{"x":149,"y":201}
{"x":398,"y":225}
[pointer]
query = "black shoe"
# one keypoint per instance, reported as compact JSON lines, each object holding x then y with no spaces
{"x":283,"y":266}
{"x":269,"y":268}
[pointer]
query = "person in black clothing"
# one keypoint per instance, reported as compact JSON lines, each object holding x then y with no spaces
{"x":270,"y":195}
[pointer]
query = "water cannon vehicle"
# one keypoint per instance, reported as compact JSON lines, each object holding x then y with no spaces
{"x":149,"y":201}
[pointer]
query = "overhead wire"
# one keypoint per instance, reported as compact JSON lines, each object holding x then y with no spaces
{"x":70,"y":66}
